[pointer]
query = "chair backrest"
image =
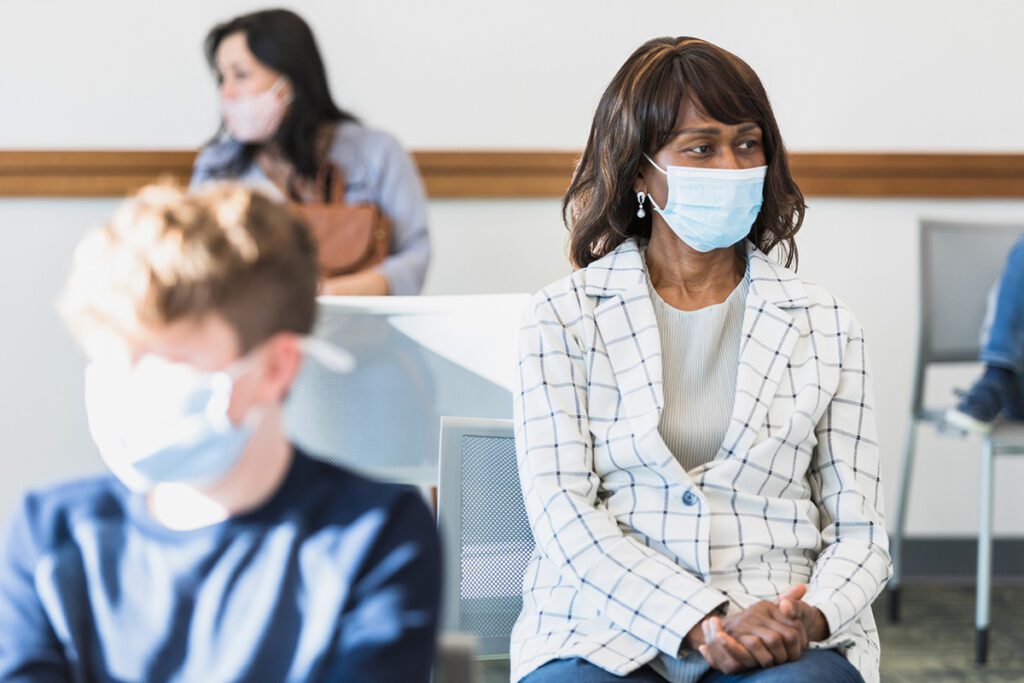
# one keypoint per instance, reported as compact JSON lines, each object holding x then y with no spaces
{"x":960,"y":262}
{"x":417,"y":358}
{"x":484,"y":529}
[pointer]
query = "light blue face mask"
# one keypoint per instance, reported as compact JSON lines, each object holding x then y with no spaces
{"x":159,"y":422}
{"x":711,"y":208}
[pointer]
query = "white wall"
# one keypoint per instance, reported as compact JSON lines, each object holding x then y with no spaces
{"x":867,"y":75}
{"x":844,"y":76}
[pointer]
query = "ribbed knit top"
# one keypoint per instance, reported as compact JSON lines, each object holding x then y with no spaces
{"x":699,"y":355}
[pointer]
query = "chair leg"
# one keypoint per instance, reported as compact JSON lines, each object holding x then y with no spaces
{"x":902,"y":504}
{"x":984,"y":581}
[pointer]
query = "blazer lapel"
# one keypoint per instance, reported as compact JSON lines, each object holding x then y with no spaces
{"x":769,"y":334}
{"x":624,"y":315}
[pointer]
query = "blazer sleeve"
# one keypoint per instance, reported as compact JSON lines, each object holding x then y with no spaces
{"x":640,"y":590}
{"x":854,"y":564}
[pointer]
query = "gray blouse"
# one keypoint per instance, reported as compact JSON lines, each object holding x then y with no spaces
{"x":699,"y":352}
{"x":378,"y":170}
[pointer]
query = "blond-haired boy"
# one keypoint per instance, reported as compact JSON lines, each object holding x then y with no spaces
{"x":217,"y":551}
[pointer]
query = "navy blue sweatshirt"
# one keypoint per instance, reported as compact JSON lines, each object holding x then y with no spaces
{"x":335,"y":578}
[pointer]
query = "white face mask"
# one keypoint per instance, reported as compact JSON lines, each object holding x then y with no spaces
{"x":711,"y":208}
{"x":255,"y":118}
{"x":162,"y":422}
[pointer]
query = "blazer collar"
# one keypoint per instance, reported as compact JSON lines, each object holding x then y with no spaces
{"x":624,"y":269}
{"x":618,"y":271}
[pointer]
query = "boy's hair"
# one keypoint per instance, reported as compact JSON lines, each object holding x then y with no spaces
{"x":168,"y":256}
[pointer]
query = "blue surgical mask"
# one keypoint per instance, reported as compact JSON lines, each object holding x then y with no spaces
{"x":159,"y":422}
{"x":711,"y":208}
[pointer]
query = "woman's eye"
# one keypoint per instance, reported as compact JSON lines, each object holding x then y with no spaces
{"x":748,"y":144}
{"x":701,"y":149}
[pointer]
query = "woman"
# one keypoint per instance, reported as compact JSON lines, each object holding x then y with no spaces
{"x":1000,"y":389}
{"x":694,"y":423}
{"x":282,"y":129}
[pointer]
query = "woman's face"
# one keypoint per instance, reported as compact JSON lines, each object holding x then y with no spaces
{"x":704,"y":143}
{"x":239,"y":73}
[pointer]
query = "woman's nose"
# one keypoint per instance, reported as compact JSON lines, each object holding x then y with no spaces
{"x":727,"y":160}
{"x":228,"y":89}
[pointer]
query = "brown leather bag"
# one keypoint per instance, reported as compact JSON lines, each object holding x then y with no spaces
{"x":350,"y":237}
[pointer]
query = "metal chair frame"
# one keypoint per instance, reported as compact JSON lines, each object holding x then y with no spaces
{"x":1005,"y":439}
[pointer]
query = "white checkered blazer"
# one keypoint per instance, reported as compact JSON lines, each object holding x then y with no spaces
{"x":632,"y":550}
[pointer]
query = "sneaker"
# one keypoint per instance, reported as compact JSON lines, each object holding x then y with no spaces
{"x":980,"y":406}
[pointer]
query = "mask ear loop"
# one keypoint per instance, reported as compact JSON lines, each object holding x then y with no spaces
{"x":650,"y":197}
{"x":279,"y":86}
{"x":332,"y":357}
{"x":654,"y":164}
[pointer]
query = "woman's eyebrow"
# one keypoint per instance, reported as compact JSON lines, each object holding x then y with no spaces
{"x":713,"y":130}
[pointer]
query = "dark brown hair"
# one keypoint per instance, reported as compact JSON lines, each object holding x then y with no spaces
{"x":281,"y":40}
{"x":637,"y":115}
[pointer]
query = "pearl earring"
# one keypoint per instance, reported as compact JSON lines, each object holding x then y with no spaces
{"x":641,"y":197}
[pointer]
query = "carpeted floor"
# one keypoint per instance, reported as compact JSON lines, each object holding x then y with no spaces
{"x":934,"y":642}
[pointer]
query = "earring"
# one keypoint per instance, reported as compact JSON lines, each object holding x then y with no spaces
{"x":641,"y":197}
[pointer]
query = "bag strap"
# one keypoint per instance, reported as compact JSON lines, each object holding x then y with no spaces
{"x":330,"y":183}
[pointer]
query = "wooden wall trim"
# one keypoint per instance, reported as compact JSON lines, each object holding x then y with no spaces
{"x":511,"y":174}
{"x":910,"y":175}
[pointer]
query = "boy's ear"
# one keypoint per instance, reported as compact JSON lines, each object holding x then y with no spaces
{"x":282,"y":360}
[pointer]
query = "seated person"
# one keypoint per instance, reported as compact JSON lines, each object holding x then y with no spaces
{"x":694,"y":423}
{"x":1000,"y":390}
{"x":281,"y":127}
{"x":217,"y":551}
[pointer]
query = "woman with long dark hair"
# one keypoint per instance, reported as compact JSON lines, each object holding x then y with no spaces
{"x":694,"y":424}
{"x":282,"y":130}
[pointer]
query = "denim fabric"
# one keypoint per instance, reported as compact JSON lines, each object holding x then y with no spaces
{"x":1004,"y":343}
{"x":815,"y":666}
{"x":578,"y":670}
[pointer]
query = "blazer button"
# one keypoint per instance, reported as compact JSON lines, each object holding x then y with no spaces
{"x":689,"y":498}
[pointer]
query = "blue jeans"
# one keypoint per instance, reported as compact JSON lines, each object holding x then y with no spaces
{"x":1004,"y":345}
{"x":815,"y":666}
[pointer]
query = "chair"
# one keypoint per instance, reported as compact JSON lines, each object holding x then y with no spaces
{"x":959,"y":264}
{"x":485,"y":533}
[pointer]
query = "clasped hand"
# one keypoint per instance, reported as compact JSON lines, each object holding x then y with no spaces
{"x":763,"y":635}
